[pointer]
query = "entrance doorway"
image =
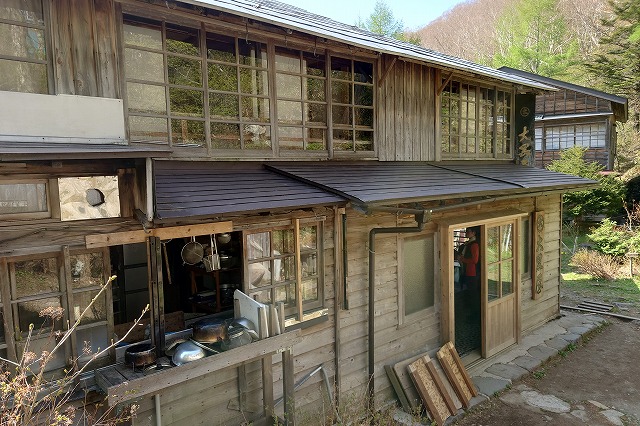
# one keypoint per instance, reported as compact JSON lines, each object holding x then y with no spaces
{"x":467,"y":281}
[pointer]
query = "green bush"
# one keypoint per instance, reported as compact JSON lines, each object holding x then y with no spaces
{"x":614,"y":240}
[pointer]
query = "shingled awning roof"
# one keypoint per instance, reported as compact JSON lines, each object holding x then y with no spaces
{"x":188,"y":189}
{"x":384,"y":183}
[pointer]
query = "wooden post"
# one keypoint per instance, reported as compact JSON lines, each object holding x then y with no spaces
{"x":288,"y":387}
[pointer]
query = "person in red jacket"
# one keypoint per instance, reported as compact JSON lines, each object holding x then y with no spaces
{"x":469,"y":257}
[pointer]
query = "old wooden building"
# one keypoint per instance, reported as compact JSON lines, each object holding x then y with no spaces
{"x":332,"y":172}
{"x":575,"y":116}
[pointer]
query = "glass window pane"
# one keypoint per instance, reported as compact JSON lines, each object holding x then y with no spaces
{"x":506,"y":275}
{"x":310,"y":290}
{"x":364,"y":117}
{"x":259,"y":274}
{"x":186,"y":102}
{"x":341,"y":115}
{"x":23,"y":198}
{"x":223,"y":106}
{"x":38,"y":346}
{"x":29,"y":313}
{"x":288,"y":86}
{"x":97,"y":311}
{"x":36,"y":277}
{"x":262,"y":296}
{"x":23,"y":77}
{"x":2,"y":339}
{"x":289,"y":112}
{"x":87,"y":270}
{"x":343,"y":140}
{"x":258,"y":246}
{"x":316,"y":113}
{"x":182,"y":40}
{"x":144,"y":36}
{"x":283,"y":242}
{"x":284,"y":270}
{"x":317,"y":139}
{"x":287,"y":60}
{"x":187,"y":132}
{"x":290,"y":137}
{"x":252,"y":53}
{"x":257,"y":137}
{"x":148,"y":129}
{"x":29,"y":11}
{"x":417,"y":274}
{"x":493,"y":282}
{"x":315,"y":89}
{"x":184,"y":72}
{"x":22,"y":42}
{"x":221,"y":48}
{"x":309,"y":264}
{"x":363,"y":72}
{"x":341,"y":92}
{"x":315,"y":64}
{"x":364,"y":141}
{"x":254,"y":82}
{"x":143,"y":65}
{"x":223,"y":77}
{"x":363,"y":95}
{"x":146,"y":98}
{"x":225,"y":136}
{"x":341,"y":68}
{"x":493,"y":244}
{"x":525,"y":249}
{"x":507,"y":242}
{"x":308,"y":238}
{"x":256,"y":109}
{"x":91,"y":341}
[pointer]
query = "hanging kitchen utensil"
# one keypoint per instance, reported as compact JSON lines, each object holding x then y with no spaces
{"x":193,"y":252}
{"x":212,"y":262}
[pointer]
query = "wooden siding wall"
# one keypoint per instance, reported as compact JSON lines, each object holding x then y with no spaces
{"x":84,"y":47}
{"x":570,"y":102}
{"x":206,"y":400}
{"x":547,"y":306}
{"x":599,"y":155}
{"x":405,"y":128}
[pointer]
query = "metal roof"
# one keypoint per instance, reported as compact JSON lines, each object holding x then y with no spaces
{"x":187,"y":189}
{"x":295,"y":18}
{"x":378,"y":183}
{"x":21,"y":151}
{"x":566,"y":85}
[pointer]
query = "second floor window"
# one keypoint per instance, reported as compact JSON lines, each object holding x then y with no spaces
{"x":475,"y":121}
{"x":23,"y":55}
{"x":191,"y":88}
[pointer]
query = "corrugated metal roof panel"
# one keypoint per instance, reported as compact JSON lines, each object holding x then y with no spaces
{"x":299,"y":19}
{"x":185,"y":189}
{"x":397,"y":182}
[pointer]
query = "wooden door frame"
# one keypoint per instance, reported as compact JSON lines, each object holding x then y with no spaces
{"x":446,"y":227}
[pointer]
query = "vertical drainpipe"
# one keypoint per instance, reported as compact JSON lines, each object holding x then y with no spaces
{"x":421,"y":217}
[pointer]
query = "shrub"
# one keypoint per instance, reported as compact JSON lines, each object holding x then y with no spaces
{"x":597,"y":265}
{"x":614,"y":240}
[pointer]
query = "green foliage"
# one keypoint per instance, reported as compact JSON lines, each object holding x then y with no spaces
{"x":608,"y":238}
{"x":607,"y":198}
{"x":534,"y":37}
{"x":382,"y":21}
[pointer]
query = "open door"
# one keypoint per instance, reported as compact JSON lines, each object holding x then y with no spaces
{"x":499,"y":287}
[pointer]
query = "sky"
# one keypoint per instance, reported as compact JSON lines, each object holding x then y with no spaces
{"x":413,"y":13}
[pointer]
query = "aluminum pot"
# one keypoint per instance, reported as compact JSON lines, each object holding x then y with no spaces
{"x":187,"y":352}
{"x":210,"y":330}
{"x":140,"y":355}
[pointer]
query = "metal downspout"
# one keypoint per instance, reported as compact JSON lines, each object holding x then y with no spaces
{"x":421,"y":217}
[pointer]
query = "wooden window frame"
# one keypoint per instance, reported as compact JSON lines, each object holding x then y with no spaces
{"x":601,"y":128}
{"x":501,"y":143}
{"x":46,"y":29}
{"x":513,"y":259}
{"x":302,"y":311}
{"x":51,"y":191}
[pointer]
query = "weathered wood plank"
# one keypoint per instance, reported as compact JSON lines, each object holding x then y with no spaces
{"x":82,"y":48}
{"x":106,"y":49}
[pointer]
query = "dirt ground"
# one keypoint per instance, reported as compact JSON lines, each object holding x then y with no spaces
{"x":597,"y":383}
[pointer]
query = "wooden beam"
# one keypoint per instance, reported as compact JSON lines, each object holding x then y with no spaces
{"x":140,"y":236}
{"x":156,"y":382}
{"x":444,"y":84}
{"x":387,"y":71}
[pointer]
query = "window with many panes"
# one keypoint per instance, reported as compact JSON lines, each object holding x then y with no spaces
{"x":51,"y":292}
{"x":191,"y":88}
{"x":23,"y":53}
{"x":587,"y":135}
{"x":283,"y":265}
{"x":500,"y":261}
{"x":475,"y":121}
